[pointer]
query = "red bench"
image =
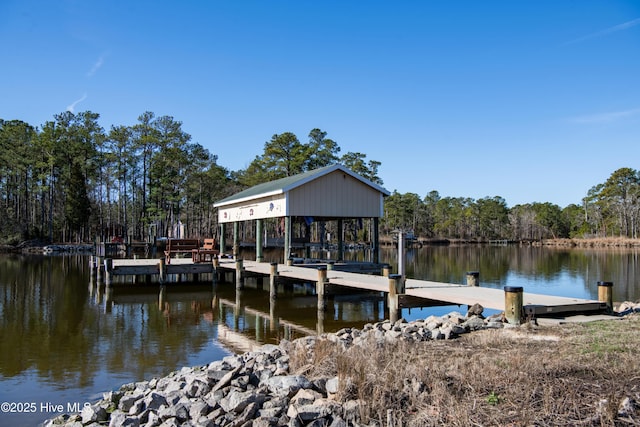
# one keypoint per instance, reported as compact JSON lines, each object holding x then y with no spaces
{"x":180,"y":246}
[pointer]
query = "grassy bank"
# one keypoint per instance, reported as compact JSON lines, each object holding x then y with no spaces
{"x":576,"y":374}
{"x":602,"y":242}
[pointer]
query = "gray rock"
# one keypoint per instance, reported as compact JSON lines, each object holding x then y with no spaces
{"x":287,"y":384}
{"x":198,"y":409}
{"x":332,"y":385}
{"x":226,"y":379}
{"x":93,"y":413}
{"x":127,"y":401}
{"x":475,"y":310}
{"x":237,"y":401}
{"x":154,"y":401}
{"x":178,"y":411}
{"x":120,"y":419}
{"x":474,"y":323}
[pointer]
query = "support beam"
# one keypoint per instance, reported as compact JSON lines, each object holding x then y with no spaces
{"x":222,"y":239}
{"x":287,"y":238}
{"x":259,"y":243}
{"x":272,"y":296}
{"x":375,"y":250}
{"x":340,"y":240}
{"x":108,"y":267}
{"x":239,"y":270}
{"x":236,"y":239}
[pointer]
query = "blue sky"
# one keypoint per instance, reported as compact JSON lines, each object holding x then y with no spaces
{"x":533,"y":101}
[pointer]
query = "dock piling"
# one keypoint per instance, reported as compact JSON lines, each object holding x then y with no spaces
{"x":386,"y":270}
{"x":108,"y":266}
{"x":473,"y":278}
{"x":320,"y":290}
{"x":396,"y":287}
{"x":605,"y":294}
{"x":513,"y":297}
{"x":272,"y":292}
{"x":322,"y":280}
{"x":162,"y":271}
{"x":239,"y":281}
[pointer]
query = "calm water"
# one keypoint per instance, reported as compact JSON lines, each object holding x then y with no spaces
{"x":64,"y":340}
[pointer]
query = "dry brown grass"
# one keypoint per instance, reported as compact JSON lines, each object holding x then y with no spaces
{"x":596,"y":242}
{"x":544,"y":376}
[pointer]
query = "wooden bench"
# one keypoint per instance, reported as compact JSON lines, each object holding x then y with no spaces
{"x":207,"y":250}
{"x":180,"y":246}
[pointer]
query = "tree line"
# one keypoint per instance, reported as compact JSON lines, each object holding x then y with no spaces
{"x":610,"y":209}
{"x":71,"y":180}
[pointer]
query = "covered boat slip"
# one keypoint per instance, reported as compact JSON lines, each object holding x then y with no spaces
{"x":336,"y":193}
{"x":332,"y":193}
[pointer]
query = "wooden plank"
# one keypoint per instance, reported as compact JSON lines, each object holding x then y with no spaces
{"x":534,"y":304}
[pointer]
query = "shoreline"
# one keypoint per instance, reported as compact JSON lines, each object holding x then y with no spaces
{"x":279,"y":385}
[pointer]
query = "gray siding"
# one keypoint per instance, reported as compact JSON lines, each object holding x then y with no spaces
{"x":336,"y":194}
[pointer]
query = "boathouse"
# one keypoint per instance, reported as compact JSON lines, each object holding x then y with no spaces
{"x":331,"y":193}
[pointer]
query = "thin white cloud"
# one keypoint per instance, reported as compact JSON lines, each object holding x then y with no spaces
{"x":609,"y":117}
{"x":72,"y":106}
{"x":607,"y":31}
{"x":97,"y":65}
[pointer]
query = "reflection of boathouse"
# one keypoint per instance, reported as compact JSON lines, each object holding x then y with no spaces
{"x":331,"y":193}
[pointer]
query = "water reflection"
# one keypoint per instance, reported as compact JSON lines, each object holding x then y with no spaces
{"x":65,"y":337}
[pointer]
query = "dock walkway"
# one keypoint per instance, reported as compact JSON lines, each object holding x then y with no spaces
{"x":432,"y":292}
{"x":533,"y":304}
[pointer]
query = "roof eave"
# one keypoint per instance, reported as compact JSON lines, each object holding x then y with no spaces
{"x":247,"y":198}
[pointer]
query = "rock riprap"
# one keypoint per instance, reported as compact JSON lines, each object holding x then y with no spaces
{"x":257,"y":388}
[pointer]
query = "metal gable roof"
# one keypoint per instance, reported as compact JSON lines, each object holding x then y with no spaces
{"x":286,"y":184}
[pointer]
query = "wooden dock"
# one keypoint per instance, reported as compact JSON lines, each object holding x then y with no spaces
{"x":427,"y":292}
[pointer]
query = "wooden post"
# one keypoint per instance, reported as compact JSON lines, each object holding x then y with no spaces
{"x":216,"y":268}
{"x":393,"y":300}
{"x":376,"y":241}
{"x":108,"y":267}
{"x":223,"y":244}
{"x":287,"y":237}
{"x":322,"y":280}
{"x":239,"y":281}
{"x":340,"y":240}
{"x":401,"y":255}
{"x":472,"y":278}
{"x":513,"y":304}
{"x":236,"y":239}
{"x":272,"y":295}
{"x":259,"y":257}
{"x":386,"y":270}
{"x":605,"y":294}
{"x":162,"y":271}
